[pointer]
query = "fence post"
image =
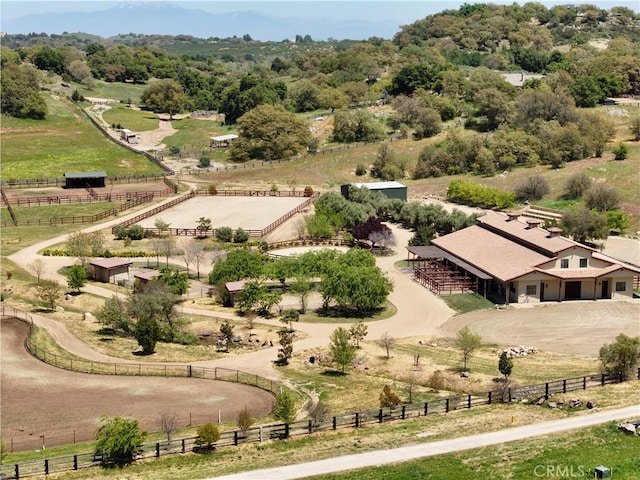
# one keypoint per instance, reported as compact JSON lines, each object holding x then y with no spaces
{"x":564,"y":386}
{"x":469,"y":401}
{"x":602,"y":380}
{"x":184,"y":447}
{"x":509,"y":394}
{"x":286,"y":430}
{"x":638,"y":373}
{"x":546,"y":390}
{"x":46,"y":466}
{"x":190,"y":373}
{"x":75,"y":462}
{"x":490,"y":397}
{"x":235,"y":437}
{"x":157,"y":449}
{"x":310,"y":427}
{"x":584,"y":383}
{"x":335,"y":423}
{"x":357,"y":419}
{"x":380,"y":416}
{"x":404,"y":412}
{"x":17,"y":471}
{"x":446,"y":406}
{"x":426,"y":408}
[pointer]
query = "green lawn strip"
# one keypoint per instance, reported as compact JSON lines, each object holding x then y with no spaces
{"x":136,"y":120}
{"x":314,"y":316}
{"x":572,"y":454}
{"x":64,"y":142}
{"x":467,"y":302}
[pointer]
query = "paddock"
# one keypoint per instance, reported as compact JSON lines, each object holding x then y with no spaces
{"x":249,"y":213}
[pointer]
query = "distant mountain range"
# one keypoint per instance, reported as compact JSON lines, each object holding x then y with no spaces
{"x":167,"y":19}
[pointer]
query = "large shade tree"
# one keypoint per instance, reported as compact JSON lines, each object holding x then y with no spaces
{"x":270,"y":132}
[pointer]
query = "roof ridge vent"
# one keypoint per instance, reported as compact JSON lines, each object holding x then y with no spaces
{"x":554,"y":232}
{"x":533,"y":223}
{"x":512,"y":216}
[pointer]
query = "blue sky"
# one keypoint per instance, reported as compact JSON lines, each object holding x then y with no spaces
{"x":400,"y":12}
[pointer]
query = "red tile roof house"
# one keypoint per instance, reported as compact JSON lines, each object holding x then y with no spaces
{"x":523,"y":263}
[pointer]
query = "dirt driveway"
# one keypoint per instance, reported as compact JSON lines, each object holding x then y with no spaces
{"x":578,"y":328}
{"x":38,"y":399}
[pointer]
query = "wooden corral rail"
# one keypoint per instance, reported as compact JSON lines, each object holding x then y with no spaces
{"x":11,"y":212}
{"x":99,"y":216}
{"x":302,"y":242}
{"x":60,"y":182}
{"x":441,"y":280}
{"x":104,"y":197}
{"x":195,"y":232}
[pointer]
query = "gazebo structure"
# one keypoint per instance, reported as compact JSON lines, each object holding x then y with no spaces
{"x":233,"y":290}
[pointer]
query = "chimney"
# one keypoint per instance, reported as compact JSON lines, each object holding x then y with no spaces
{"x":554,"y":232}
{"x":533,"y":223}
{"x":512,"y":216}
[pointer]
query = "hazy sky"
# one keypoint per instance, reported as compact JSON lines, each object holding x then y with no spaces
{"x":404,"y":11}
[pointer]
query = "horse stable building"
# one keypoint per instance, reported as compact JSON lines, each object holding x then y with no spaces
{"x":515,"y":261}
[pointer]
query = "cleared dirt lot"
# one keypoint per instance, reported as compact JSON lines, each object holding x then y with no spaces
{"x":116,"y":188}
{"x":578,"y":328}
{"x":250,"y":213}
{"x":38,"y":399}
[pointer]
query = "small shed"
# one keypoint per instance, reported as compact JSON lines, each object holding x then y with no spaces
{"x":233,"y":289}
{"x":107,"y":270}
{"x":84,"y":179}
{"x":389,"y":189}
{"x":128,"y":136}
{"x":143,"y":278}
{"x":223,"y":141}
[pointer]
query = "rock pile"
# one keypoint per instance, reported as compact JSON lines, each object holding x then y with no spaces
{"x":519,"y":351}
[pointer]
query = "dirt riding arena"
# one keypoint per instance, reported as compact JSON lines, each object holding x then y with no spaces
{"x":39,"y":399}
{"x":249,"y":213}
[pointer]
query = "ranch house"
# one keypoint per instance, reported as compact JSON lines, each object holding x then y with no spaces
{"x":516,"y":261}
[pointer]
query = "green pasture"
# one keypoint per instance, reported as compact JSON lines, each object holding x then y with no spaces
{"x":194,"y":133}
{"x":116,"y":90}
{"x":467,"y":302}
{"x":136,"y":120}
{"x":64,"y":142}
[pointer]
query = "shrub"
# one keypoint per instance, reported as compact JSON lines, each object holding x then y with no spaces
{"x":308,"y":191}
{"x":621,"y":152}
{"x":436,"y":381}
{"x":469,"y":193}
{"x":240,"y":236}
{"x":577,"y":184}
{"x":208,"y":435}
{"x":361,"y":170}
{"x":224,"y":234}
{"x":204,"y":162}
{"x":174,"y":150}
{"x":212,"y":190}
{"x":118,"y":441}
{"x":534,"y":187}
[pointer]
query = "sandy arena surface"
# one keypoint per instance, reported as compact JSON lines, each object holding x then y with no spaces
{"x":250,"y":213}
{"x":33,"y":390}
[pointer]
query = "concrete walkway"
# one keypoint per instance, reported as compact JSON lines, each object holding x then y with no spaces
{"x":404,"y":454}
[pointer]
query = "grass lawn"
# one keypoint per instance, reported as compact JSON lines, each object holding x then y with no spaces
{"x":467,"y":302}
{"x":194,"y":133}
{"x":64,"y":142}
{"x":136,"y":120}
{"x":116,"y":90}
{"x":332,"y":316}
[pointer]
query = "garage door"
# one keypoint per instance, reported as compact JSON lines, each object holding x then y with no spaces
{"x":572,"y":290}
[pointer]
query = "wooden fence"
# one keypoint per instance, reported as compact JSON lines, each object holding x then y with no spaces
{"x":280,"y":431}
{"x":274,"y":431}
{"x":196,"y":232}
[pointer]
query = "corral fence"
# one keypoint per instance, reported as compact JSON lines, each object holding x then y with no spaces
{"x":275,"y":431}
{"x":197,"y":232}
{"x":60,"y":182}
{"x":357,"y":419}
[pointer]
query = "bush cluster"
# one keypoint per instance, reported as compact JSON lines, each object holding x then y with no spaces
{"x":469,"y":193}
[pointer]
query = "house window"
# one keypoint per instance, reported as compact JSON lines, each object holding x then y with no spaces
{"x":532,"y":289}
{"x":512,"y":287}
{"x":583,"y":263}
{"x":564,"y":263}
{"x":621,"y":286}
